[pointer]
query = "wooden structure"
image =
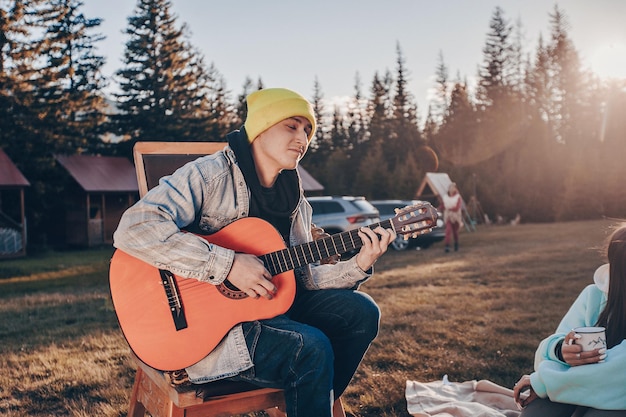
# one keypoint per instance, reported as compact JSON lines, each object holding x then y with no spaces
{"x":12,"y":209}
{"x":153,"y":393}
{"x":104,"y":187}
{"x":153,"y":390}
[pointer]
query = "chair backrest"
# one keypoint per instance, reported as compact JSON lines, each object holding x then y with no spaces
{"x":154,"y":160}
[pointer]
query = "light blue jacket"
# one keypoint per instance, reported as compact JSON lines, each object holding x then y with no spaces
{"x":211,"y":193}
{"x":599,"y":385}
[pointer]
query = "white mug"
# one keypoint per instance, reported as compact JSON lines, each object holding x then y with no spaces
{"x":591,"y":338}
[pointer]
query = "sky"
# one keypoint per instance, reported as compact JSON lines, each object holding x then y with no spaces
{"x":291,"y":44}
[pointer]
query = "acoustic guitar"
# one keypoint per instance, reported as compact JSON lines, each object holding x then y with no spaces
{"x":172,"y":322}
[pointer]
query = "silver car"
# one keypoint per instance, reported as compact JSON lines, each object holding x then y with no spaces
{"x":337,"y":214}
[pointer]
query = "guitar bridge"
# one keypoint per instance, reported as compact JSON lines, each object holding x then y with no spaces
{"x":173,"y":299}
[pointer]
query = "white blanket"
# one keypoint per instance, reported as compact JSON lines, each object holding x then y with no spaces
{"x":459,"y":399}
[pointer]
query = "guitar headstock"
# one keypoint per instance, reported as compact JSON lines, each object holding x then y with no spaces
{"x":415,"y":219}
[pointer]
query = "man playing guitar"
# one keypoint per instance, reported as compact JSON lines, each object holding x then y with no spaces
{"x":314,"y":347}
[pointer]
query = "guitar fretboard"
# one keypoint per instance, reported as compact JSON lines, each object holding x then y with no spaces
{"x":306,"y":253}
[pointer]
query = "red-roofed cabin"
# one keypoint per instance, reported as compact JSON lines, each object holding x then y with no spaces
{"x":12,"y":213}
{"x":104,"y":188}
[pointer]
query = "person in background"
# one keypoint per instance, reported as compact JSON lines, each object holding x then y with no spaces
{"x":452,"y":205}
{"x":313,"y":350}
{"x":593,"y":383}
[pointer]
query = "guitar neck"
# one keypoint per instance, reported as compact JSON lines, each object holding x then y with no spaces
{"x":306,"y":253}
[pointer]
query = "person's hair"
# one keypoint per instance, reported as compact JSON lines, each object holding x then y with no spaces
{"x":613,"y":317}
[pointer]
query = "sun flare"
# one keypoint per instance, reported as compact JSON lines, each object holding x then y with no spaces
{"x":609,"y":60}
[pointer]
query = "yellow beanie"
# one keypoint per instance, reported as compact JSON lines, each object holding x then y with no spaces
{"x":271,"y":105}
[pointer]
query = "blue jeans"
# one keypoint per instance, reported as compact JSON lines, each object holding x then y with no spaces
{"x":313,"y":351}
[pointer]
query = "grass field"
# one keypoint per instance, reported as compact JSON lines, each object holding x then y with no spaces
{"x":475,"y":314}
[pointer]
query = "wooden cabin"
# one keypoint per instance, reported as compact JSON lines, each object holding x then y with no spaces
{"x":104,"y":187}
{"x":12,"y":209}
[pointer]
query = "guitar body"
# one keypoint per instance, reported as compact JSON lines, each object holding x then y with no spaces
{"x":144,"y":312}
{"x":172,"y":322}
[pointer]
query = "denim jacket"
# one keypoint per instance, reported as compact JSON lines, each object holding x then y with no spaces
{"x":204,"y":196}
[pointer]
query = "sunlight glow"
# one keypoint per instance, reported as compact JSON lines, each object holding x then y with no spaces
{"x":609,"y":60}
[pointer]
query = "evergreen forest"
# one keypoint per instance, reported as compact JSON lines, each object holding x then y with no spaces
{"x":537,"y":134}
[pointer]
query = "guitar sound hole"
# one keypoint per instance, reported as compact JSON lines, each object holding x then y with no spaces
{"x":227,"y":289}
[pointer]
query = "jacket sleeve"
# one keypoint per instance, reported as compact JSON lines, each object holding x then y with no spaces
{"x":151,"y":230}
{"x":344,"y":274}
{"x":599,"y":385}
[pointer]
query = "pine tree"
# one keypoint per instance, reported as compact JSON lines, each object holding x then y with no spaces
{"x":494,"y":75}
{"x":570,"y":99}
{"x":404,"y":179}
{"x":405,"y":139}
{"x":164,"y":83}
{"x":567,"y":86}
{"x":17,"y":68}
{"x":69,"y":90}
{"x":222,"y":115}
{"x":454,"y":141}
{"x":500,"y":122}
{"x":338,"y":135}
{"x":377,"y":110}
{"x":404,"y":106}
{"x":241,"y":109}
{"x":543,"y":155}
{"x":430,"y":125}
{"x":613,"y":126}
{"x":538,"y":85}
{"x":50,"y":85}
{"x":320,"y":138}
{"x":321,"y":146}
{"x":437,"y":110}
{"x":372,"y":173}
{"x":356,"y":117}
{"x":519,"y":64}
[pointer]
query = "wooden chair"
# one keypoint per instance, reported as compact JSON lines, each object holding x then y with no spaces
{"x":154,"y":391}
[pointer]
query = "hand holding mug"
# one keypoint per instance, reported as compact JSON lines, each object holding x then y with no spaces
{"x":584,"y":345}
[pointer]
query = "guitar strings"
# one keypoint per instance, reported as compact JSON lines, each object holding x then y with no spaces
{"x":291,"y":258}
